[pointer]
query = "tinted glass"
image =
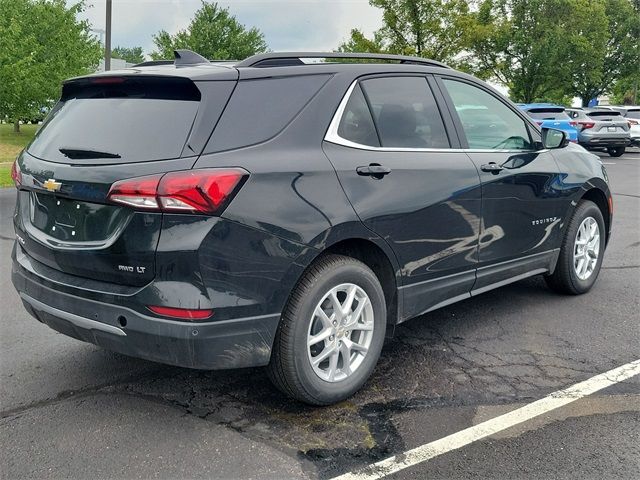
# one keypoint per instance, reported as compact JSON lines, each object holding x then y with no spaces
{"x":405,"y":113}
{"x":131,"y":121}
{"x":260,"y":109}
{"x":555,"y":114}
{"x":356,"y":124}
{"x":487,"y":122}
{"x":633,"y":114}
{"x":604,"y":113}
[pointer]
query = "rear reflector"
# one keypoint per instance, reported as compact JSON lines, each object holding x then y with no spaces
{"x":191,"y":191}
{"x":181,"y":313}
{"x":16,"y":174}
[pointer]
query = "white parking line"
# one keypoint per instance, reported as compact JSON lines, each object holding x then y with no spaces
{"x":495,"y":425}
{"x":608,"y":163}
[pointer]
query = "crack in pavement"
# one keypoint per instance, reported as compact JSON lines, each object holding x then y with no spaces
{"x":627,"y":195}
{"x":69,"y":394}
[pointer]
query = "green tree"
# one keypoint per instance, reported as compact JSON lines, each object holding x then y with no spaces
{"x":359,"y":43}
{"x":520,"y":44}
{"x":426,"y":28}
{"x":41,"y":44}
{"x":213,"y":33}
{"x":602,"y":46}
{"x":131,"y":55}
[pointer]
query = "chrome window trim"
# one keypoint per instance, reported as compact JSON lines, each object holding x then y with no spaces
{"x":332,"y":136}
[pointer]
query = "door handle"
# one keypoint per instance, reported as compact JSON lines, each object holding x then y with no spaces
{"x":373,"y":170}
{"x":492,"y":167}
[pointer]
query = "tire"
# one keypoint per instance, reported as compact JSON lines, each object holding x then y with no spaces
{"x":566,"y":279}
{"x":290,"y":368}
{"x":616,"y":151}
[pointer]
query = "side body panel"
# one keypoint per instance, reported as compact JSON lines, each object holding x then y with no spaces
{"x":427,"y":209}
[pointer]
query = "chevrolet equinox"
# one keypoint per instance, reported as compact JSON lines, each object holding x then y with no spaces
{"x":289,"y":210}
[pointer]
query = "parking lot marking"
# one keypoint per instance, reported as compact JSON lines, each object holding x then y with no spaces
{"x":608,"y":163}
{"x":485,"y":429}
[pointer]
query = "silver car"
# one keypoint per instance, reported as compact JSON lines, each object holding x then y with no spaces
{"x":632,"y":114}
{"x":601,"y":128}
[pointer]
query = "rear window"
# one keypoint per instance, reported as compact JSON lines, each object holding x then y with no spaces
{"x":121,"y":119}
{"x":633,"y":114}
{"x":604,"y":113}
{"x":548,"y":114}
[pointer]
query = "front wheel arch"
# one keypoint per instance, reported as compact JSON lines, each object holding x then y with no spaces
{"x":600,"y":198}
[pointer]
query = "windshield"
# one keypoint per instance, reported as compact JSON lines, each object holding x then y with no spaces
{"x":129,"y":120}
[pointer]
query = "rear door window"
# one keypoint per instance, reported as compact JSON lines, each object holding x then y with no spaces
{"x":405,"y":113}
{"x":118,"y":120}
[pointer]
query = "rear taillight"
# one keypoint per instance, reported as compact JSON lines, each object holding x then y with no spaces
{"x":190,"y":191}
{"x":539,"y":123}
{"x":181,"y":313}
{"x":573,"y":124}
{"x":16,"y":174}
{"x":586,"y":125}
{"x":632,"y":122}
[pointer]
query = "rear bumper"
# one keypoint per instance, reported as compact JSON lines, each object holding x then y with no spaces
{"x":604,"y":141}
{"x":233,"y":343}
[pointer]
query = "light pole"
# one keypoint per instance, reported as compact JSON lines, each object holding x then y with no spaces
{"x":107,"y":39}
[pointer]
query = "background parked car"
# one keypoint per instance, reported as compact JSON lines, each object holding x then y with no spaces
{"x":601,"y":128}
{"x":549,"y":115}
{"x":632,"y":114}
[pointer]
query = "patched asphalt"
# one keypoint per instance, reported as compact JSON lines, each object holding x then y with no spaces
{"x":72,"y":410}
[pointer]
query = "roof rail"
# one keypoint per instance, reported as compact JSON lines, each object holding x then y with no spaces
{"x":286,"y":59}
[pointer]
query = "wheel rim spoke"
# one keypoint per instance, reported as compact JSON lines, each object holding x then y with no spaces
{"x":319,"y":337}
{"x":333,"y":365}
{"x":317,"y":360}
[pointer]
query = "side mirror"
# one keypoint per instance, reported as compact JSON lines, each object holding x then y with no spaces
{"x":552,"y":138}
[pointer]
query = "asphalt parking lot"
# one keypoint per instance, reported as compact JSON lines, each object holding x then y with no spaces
{"x":69,"y":409}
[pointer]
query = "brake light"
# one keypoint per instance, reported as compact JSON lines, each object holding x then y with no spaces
{"x":632,"y":122}
{"x":539,"y":123}
{"x":16,"y":174}
{"x":573,"y":124}
{"x":190,"y":191}
{"x":586,"y":125}
{"x":181,"y":313}
{"x":106,"y":80}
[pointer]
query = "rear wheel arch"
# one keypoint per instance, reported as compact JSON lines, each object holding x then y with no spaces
{"x":379,"y":258}
{"x":379,"y":262}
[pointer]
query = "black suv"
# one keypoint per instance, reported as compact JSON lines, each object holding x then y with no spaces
{"x":286,"y":212}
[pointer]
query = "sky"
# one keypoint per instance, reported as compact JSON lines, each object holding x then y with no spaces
{"x":287,"y":25}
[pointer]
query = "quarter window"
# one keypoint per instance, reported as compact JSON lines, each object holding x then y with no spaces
{"x":356,"y":124}
{"x":405,"y":113}
{"x":487,"y":122}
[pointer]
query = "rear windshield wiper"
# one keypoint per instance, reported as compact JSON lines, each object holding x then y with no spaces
{"x":77,"y":153}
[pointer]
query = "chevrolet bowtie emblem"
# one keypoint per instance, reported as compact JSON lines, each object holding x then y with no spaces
{"x":52,"y":185}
